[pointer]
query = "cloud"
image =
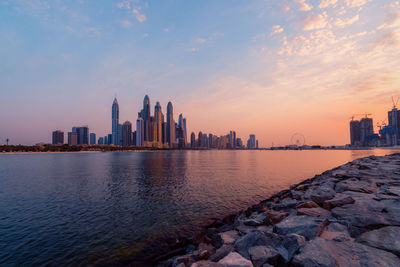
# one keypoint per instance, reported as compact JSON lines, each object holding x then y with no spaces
{"x":304,"y":6}
{"x":392,"y":4}
{"x":192,"y":49}
{"x":315,"y":21}
{"x":277,"y":29}
{"x":285,"y":8}
{"x":140,"y":17}
{"x":200,"y":40}
{"x":372,"y":82}
{"x":327,"y":3}
{"x":126,"y":24}
{"x":392,"y":21}
{"x":341,"y":23}
{"x":166,"y":29}
{"x":356,"y":3}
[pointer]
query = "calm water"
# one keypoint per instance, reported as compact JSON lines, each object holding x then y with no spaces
{"x":103,"y":208}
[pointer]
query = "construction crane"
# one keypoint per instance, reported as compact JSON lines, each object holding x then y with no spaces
{"x":395,"y":102}
{"x":380,"y":125}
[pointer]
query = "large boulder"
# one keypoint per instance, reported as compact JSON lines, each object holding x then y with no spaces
{"x":229,"y":237}
{"x":338,"y":201}
{"x":234,"y":259}
{"x":206,"y":264}
{"x":319,"y":194}
{"x":264,"y":254}
{"x":221,"y":252}
{"x":307,"y":226}
{"x":337,"y":232}
{"x":253,"y":239}
{"x":315,"y":212}
{"x":290,"y":245}
{"x":355,"y":185}
{"x":326,"y":253}
{"x":274,"y":217}
{"x":387,"y":238}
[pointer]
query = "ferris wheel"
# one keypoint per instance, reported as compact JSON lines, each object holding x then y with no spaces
{"x":298,"y":139}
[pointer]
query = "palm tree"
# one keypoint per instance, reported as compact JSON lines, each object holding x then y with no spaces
{"x":7,"y":141}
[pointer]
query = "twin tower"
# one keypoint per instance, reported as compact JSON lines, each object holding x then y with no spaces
{"x":151,"y":131}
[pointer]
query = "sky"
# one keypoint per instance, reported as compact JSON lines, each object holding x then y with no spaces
{"x":270,"y":68}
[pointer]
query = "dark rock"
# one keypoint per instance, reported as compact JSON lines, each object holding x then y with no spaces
{"x":325,"y":253}
{"x":298,"y":195}
{"x":321,"y":194}
{"x":221,"y":252}
{"x":307,"y":226}
{"x":205,"y":251}
{"x":338,"y":201}
{"x":255,"y":239}
{"x":256,"y":220}
{"x":187,"y":259}
{"x":229,"y":237}
{"x":337,"y":232}
{"x":276,"y":216}
{"x":264,"y":254}
{"x":291,"y":244}
{"x":285,"y":204}
{"x":354,"y":185}
{"x":243,"y":229}
{"x":387,"y":238}
{"x":234,"y":259}
{"x":308,"y":205}
{"x":316,"y":212}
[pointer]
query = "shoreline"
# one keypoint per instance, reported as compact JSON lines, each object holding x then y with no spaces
{"x":340,"y":212}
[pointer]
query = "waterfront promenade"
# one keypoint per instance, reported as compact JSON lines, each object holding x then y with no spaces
{"x":347,"y":216}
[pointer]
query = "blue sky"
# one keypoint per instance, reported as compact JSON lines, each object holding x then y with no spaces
{"x":243,"y":65}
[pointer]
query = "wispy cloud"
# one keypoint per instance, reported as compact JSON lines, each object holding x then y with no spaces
{"x":327,"y":3}
{"x":341,"y":23}
{"x":315,"y":21}
{"x":140,"y":17}
{"x":126,"y":24}
{"x":304,"y":6}
{"x":392,"y":21}
{"x":356,"y":3}
{"x":277,"y":29}
{"x":201,"y":40}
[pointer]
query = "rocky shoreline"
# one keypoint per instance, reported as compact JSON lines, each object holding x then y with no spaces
{"x":347,"y":216}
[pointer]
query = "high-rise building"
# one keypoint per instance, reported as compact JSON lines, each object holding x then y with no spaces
{"x":139,"y":132}
{"x":232,"y":139}
{"x":205,"y":140}
{"x":134,"y":138}
{"x":106,"y":140}
{"x":72,"y":138}
{"x":355,"y":133}
{"x":182,"y":126}
{"x":109,"y":139}
{"x":251,"y":142}
{"x":200,"y":139}
{"x":100,"y":141}
{"x":210,"y":140}
{"x":58,"y":137}
{"x":127,"y":134}
{"x":394,"y":123}
{"x":82,"y":134}
{"x":170,"y":125}
{"x":193,"y":140}
{"x":159,"y":119}
{"x":115,"y":122}
{"x":92,"y":138}
{"x":367,"y":130}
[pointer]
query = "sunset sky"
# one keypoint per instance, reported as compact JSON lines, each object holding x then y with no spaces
{"x":272,"y":68}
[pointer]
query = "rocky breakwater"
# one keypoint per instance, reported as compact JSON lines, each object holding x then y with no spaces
{"x":348,"y":216}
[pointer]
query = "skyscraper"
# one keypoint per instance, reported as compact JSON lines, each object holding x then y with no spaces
{"x":115,"y":122}
{"x":367,"y":130}
{"x":200,"y":139}
{"x":82,"y":134}
{"x":159,"y":119}
{"x":139,"y":132}
{"x":182,"y":126}
{"x":92,"y":138}
{"x":145,"y":115}
{"x":232,"y":139}
{"x":72,"y":138}
{"x":355,"y":133}
{"x":394,"y":123}
{"x":170,"y":125}
{"x":127,"y":134}
{"x":251,"y":142}
{"x":193,"y":140}
{"x":58,"y":137}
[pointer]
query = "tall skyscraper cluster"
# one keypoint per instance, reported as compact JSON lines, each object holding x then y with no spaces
{"x":228,"y":141}
{"x":362,"y":131}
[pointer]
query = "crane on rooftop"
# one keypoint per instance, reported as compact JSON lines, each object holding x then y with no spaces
{"x":395,"y":102}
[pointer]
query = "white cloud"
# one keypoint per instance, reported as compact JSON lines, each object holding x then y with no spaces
{"x":193,"y":49}
{"x":315,"y":21}
{"x":126,"y":24}
{"x":392,"y":21}
{"x":327,"y":3}
{"x":392,"y":4}
{"x":277,"y":29}
{"x":166,"y":29}
{"x":200,"y":40}
{"x":356,"y":3}
{"x":140,"y":17}
{"x":304,"y":6}
{"x":341,"y":23}
{"x":124,"y":4}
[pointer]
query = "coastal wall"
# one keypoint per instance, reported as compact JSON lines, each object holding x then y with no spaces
{"x":347,"y":216}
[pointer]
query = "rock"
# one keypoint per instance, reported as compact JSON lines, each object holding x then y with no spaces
{"x":265,"y":228}
{"x":229,"y":237}
{"x":264,"y":254}
{"x":254,"y":222}
{"x":244,"y":229}
{"x":325,"y":253}
{"x":276,"y":216}
{"x":187,"y":259}
{"x":355,"y":185}
{"x":387,"y":238}
{"x":285,"y":204}
{"x":221,"y":252}
{"x":316,"y":212}
{"x":255,"y":239}
{"x":205,"y":251}
{"x":319,"y":194}
{"x":307,"y":226}
{"x":291,"y":245}
{"x":338,"y":201}
{"x":298,"y":195}
{"x":206,"y":264}
{"x":337,"y":232}
{"x":308,"y":205}
{"x":234,"y":259}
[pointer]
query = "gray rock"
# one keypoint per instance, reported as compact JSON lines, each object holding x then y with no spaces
{"x":221,"y":252}
{"x":206,"y":264}
{"x":316,"y":212}
{"x":290,"y":245}
{"x":325,"y":253}
{"x":253,"y":239}
{"x":319,"y":194}
{"x":229,"y":237}
{"x":338,"y":201}
{"x":387,"y":238}
{"x":244,"y":229}
{"x":274,"y":217}
{"x":337,"y":232}
{"x":254,"y":222}
{"x":234,"y":259}
{"x":264,"y":254}
{"x":205,"y":251}
{"x":355,"y":185}
{"x":307,"y":226}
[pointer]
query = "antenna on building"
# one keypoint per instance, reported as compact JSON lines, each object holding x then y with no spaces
{"x":395,"y":102}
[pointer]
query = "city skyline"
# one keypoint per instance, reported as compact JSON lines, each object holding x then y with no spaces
{"x":266,"y":67}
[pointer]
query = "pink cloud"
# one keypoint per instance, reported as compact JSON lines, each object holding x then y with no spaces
{"x":315,"y":21}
